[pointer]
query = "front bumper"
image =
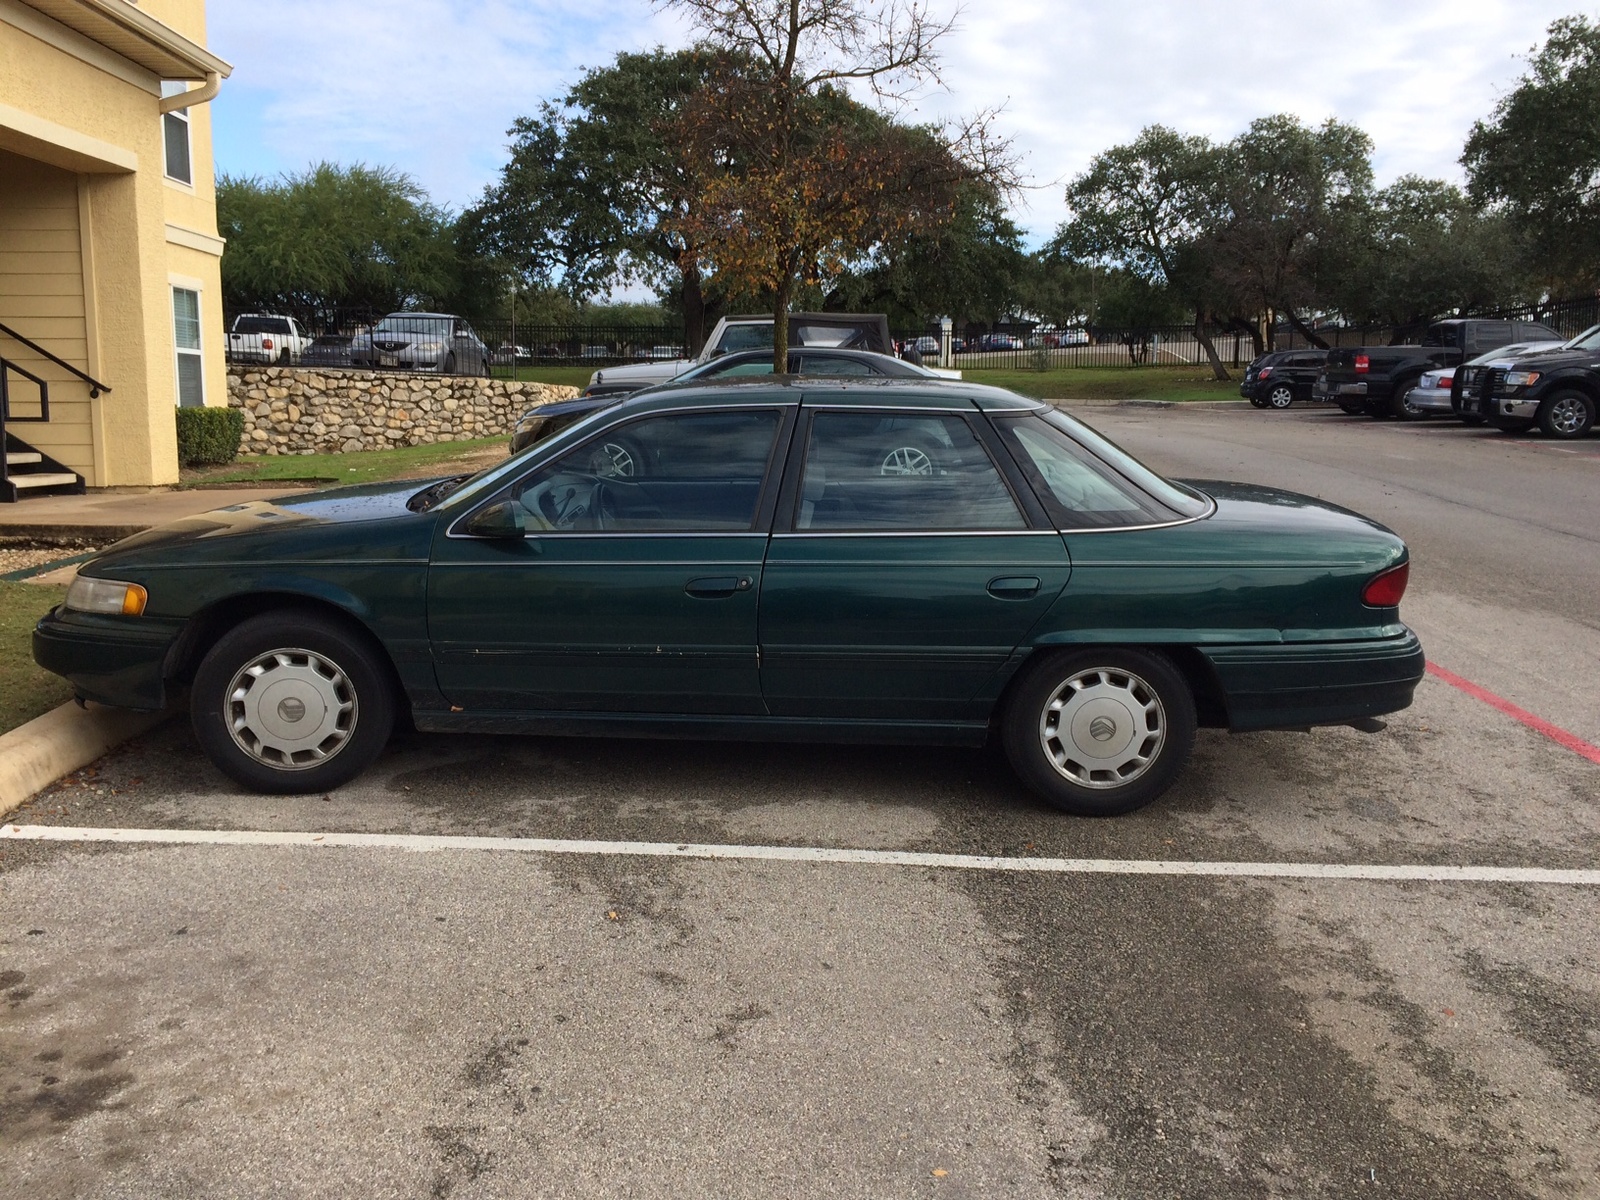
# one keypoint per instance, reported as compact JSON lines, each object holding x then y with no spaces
{"x":118,"y":661}
{"x":1504,"y":408}
{"x":1293,"y":685}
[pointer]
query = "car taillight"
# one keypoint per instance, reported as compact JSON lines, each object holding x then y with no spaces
{"x":266,"y":343}
{"x":1385,"y":589}
{"x":1363,"y":364}
{"x":1264,"y":372}
{"x":1446,"y":379}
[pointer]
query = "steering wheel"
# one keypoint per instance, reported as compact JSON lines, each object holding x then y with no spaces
{"x":563,"y":500}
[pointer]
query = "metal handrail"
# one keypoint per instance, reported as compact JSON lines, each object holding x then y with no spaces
{"x":95,"y":386}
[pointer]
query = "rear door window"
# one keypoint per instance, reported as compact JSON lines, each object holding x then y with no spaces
{"x":900,"y":472}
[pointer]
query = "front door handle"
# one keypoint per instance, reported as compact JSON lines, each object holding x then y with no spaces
{"x":717,"y":586}
{"x":1013,"y":587}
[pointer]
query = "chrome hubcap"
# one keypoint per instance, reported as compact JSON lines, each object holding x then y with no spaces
{"x":906,"y":460}
{"x":1103,"y":728}
{"x":291,"y":709}
{"x":1568,"y":414}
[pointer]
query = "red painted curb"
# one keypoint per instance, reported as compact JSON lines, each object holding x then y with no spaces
{"x":1554,"y":732}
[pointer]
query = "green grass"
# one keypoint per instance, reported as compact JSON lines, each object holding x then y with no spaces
{"x":26,"y":690}
{"x":363,"y":466}
{"x":577,"y":377}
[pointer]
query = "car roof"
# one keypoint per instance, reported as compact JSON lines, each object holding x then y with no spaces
{"x":818,"y":389}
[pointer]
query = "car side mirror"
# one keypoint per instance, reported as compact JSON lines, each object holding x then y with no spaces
{"x":503,"y":520}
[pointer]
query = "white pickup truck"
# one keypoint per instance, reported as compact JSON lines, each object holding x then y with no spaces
{"x":839,"y":331}
{"x":264,"y":338}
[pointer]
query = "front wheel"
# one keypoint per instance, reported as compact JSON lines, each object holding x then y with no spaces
{"x":1568,"y":414}
{"x":1100,"y":732}
{"x":292,"y":701}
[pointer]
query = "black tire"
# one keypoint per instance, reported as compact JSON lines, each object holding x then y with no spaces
{"x":1566,"y":414}
{"x":1519,"y":427}
{"x":1257,"y":402}
{"x":355,"y":704}
{"x":1399,"y":409}
{"x":1128,"y":679}
{"x":449,"y":367}
{"x":1467,"y":419}
{"x":1280,"y":396}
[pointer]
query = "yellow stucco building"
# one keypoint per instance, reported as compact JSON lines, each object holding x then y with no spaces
{"x":109,"y":255}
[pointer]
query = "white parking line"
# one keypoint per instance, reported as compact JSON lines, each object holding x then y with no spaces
{"x":806,"y":854}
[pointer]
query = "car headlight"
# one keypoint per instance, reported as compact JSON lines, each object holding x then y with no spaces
{"x":106,"y":596}
{"x":1521,"y":378}
{"x":428,"y":347}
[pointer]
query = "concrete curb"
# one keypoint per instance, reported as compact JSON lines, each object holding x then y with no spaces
{"x":35,"y":755}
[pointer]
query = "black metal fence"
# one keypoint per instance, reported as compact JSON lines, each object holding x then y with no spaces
{"x":359,"y":338}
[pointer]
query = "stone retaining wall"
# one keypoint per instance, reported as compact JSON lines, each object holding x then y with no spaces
{"x":297,"y":410}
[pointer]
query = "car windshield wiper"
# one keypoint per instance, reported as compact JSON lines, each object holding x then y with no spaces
{"x":435,"y":492}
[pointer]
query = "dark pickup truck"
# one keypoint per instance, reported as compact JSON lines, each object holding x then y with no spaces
{"x":1557,"y":389}
{"x":1375,"y":379}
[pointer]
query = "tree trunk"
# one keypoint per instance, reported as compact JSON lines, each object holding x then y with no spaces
{"x":780,"y":326}
{"x":694,"y":310}
{"x":1218,"y":371}
{"x":1304,"y":330}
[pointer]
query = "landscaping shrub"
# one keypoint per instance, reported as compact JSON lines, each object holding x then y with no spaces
{"x":209,"y":435}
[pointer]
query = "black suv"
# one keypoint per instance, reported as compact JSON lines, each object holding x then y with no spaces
{"x":1278,"y":379}
{"x":1557,"y":389}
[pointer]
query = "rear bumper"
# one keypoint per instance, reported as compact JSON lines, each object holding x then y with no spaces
{"x":1435,"y":400}
{"x":118,"y":661}
{"x":1290,"y":686}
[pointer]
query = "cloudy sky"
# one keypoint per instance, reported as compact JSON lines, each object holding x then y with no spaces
{"x":429,"y":86}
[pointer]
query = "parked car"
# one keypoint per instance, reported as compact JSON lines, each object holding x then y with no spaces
{"x":419,"y":341}
{"x":926,"y":344}
{"x":929,"y":560}
{"x":550,"y":419}
{"x":804,"y":361}
{"x":1072,"y":337}
{"x":1436,"y":392}
{"x":266,"y":338}
{"x":998,"y":341}
{"x":844,"y":331}
{"x":1278,"y":379}
{"x":1557,"y":388}
{"x":1375,"y":379}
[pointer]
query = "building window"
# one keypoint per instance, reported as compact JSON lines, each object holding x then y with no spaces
{"x":175,"y":135}
{"x":186,"y":337}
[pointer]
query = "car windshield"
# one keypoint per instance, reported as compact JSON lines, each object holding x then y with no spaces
{"x":1176,"y":497}
{"x":1589,"y":339}
{"x":404,"y":323}
{"x":261,"y":325}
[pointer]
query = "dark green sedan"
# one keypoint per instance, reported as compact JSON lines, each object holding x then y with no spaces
{"x":795,"y":559}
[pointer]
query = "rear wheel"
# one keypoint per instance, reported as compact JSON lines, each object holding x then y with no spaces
{"x":1101,"y":731}
{"x":1568,"y":414}
{"x":1400,"y":405}
{"x":1280,"y":396}
{"x":292,"y":701}
{"x":1257,"y":402}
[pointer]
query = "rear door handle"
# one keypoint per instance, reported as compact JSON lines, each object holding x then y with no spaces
{"x":713,"y":587}
{"x":1013,"y":587}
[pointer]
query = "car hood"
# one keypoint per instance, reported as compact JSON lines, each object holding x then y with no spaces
{"x":1547,"y":360}
{"x":371,"y":519}
{"x":643,"y":374}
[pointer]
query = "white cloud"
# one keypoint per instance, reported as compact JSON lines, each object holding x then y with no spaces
{"x":430,"y":86}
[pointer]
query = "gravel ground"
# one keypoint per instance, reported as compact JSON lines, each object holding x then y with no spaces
{"x":19,"y":556}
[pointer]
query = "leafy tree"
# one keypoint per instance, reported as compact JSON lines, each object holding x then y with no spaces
{"x":1537,"y":158}
{"x":794,"y":181}
{"x":971,"y":269}
{"x":1150,"y":207}
{"x":1286,"y":204}
{"x":334,"y":237}
{"x":593,"y":195}
{"x":1421,"y":250}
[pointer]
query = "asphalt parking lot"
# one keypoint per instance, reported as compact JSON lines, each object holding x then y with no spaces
{"x":287,"y":1017}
